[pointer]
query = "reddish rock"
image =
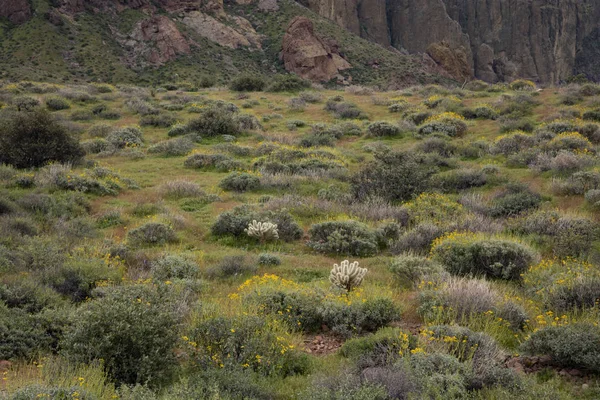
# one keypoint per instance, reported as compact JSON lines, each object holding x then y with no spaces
{"x":157,"y":40}
{"x":309,"y":56}
{"x":17,"y":11}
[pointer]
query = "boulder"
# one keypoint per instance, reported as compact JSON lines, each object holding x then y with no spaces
{"x":309,"y":56}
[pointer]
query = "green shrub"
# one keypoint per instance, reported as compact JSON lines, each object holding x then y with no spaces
{"x":234,"y":223}
{"x":95,"y":146}
{"x":25,"y":103}
{"x":268,"y":259}
{"x":232,"y":266}
{"x":591,"y":115}
{"x":470,"y":254}
{"x":513,"y":200}
{"x":22,"y":335}
{"x":288,"y":83}
{"x":345,"y":110}
{"x":39,"y":391}
{"x":312,"y":310}
{"x":220,"y":162}
{"x":410,"y":269}
{"x":383,"y":129}
{"x":126,"y":137}
{"x":76,"y":279}
{"x":571,"y":346}
{"x":32,"y":139}
{"x":133,"y":329}
{"x":383,"y":347}
{"x":172,"y":148}
{"x":343,"y":237}
{"x":178,"y":130}
{"x":240,"y":182}
{"x":174,"y":267}
{"x":57,"y":104}
{"x":393,"y":176}
{"x":247,"y":83}
{"x":150,"y":234}
{"x":452,"y":181}
{"x":158,"y":121}
{"x":214,"y":121}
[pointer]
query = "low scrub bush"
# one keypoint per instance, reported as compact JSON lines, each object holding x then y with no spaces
{"x":247,"y":83}
{"x":57,"y":104}
{"x":570,"y":346}
{"x":220,"y":162}
{"x":158,"y":121}
{"x":383,"y":347}
{"x":150,"y":234}
{"x":214,"y":121}
{"x":456,"y":180}
{"x":174,"y":267}
{"x":383,"y":129}
{"x":234,"y":223}
{"x":513,"y":200}
{"x":268,"y":259}
{"x":472,"y":254}
{"x":126,"y":137}
{"x":343,"y":237}
{"x":393,"y":176}
{"x":181,"y":189}
{"x":409,"y":269}
{"x":288,"y":83}
{"x":450,"y":124}
{"x":240,"y":182}
{"x":232,"y":266}
{"x":343,"y":110}
{"x":172,"y":148}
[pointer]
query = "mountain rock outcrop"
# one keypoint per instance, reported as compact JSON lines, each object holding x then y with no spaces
{"x":156,"y":40}
{"x":17,"y":11}
{"x":308,"y":55}
{"x":543,"y":40}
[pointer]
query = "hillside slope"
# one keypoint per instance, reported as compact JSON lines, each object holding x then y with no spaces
{"x":145,"y":41}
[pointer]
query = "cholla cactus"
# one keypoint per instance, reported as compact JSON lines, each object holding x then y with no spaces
{"x":264,"y":231}
{"x":347,"y":275}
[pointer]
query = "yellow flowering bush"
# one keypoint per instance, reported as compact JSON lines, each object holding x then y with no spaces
{"x":564,"y":284}
{"x":434,"y":208}
{"x":310,"y":309}
{"x":260,"y":343}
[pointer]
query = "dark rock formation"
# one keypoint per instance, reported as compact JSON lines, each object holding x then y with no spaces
{"x":309,"y":56}
{"x":17,"y":11}
{"x":543,"y":40}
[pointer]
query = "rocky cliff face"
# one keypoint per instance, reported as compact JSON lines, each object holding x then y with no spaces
{"x":544,"y":40}
{"x":17,"y":11}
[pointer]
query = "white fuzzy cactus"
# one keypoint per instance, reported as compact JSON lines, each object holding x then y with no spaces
{"x":264,"y":231}
{"x":347,"y":275}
